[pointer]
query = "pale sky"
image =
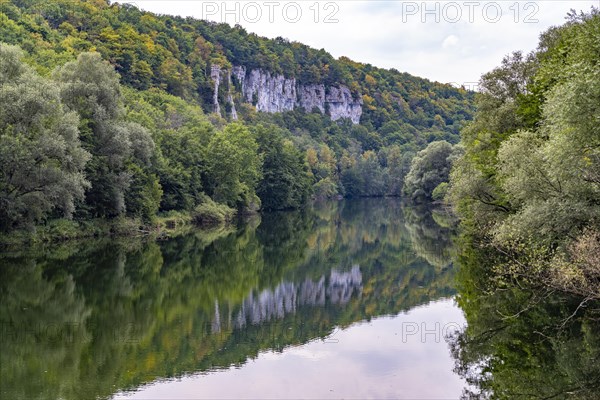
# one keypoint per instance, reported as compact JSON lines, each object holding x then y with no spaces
{"x":445,"y":41}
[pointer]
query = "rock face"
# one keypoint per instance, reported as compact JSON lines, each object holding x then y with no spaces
{"x":276,"y":93}
{"x":230,"y":97}
{"x":268,"y":93}
{"x":342,"y":105}
{"x":313,"y":96}
{"x":215,"y":75}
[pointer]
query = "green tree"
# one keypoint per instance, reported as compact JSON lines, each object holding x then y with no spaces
{"x":439,"y":193}
{"x":41,"y":157}
{"x":398,"y":165}
{"x":429,"y":168}
{"x":475,"y":189}
{"x":285,"y":180}
{"x":364,"y":177}
{"x":530,"y":185}
{"x":90,"y":86}
{"x":371,"y":174}
{"x":234,"y":167}
{"x":182,"y":133}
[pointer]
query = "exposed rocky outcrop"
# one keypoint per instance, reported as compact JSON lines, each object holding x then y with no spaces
{"x":312,"y":96}
{"x":234,"y":115}
{"x":215,"y":75}
{"x":275,"y":93}
{"x":342,"y":105}
{"x":220,"y":76}
{"x":269,"y":93}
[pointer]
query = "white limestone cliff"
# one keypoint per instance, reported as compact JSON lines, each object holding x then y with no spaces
{"x":275,"y":93}
{"x":234,"y":115}
{"x":215,"y":75}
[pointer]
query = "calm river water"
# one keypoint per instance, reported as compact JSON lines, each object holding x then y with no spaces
{"x":351,"y":299}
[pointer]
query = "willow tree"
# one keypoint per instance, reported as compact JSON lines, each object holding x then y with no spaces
{"x":430,"y":167}
{"x":530,"y":178}
{"x":41,"y":158}
{"x":90,"y":86}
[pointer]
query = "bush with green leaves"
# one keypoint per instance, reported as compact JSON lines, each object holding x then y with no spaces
{"x":210,"y":213}
{"x":440,"y":191}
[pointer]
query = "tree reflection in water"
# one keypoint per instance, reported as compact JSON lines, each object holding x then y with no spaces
{"x":85,"y":320}
{"x":523,"y":342}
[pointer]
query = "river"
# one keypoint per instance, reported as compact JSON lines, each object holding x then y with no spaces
{"x":351,"y":299}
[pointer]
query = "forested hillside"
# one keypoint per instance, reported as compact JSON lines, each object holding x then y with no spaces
{"x":110,"y":111}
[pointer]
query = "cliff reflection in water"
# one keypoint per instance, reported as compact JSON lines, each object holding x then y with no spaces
{"x":288,"y":296}
{"x":85,"y":320}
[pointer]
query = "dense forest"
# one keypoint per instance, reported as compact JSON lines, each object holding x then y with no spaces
{"x":527,"y":186}
{"x":108,"y":113}
{"x":114,"y":121}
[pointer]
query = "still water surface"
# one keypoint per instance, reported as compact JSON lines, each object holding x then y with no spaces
{"x":365,"y":360}
{"x":348,"y":300}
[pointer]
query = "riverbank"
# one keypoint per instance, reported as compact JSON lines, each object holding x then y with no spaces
{"x":170,"y":224}
{"x":61,"y":230}
{"x":207,"y":216}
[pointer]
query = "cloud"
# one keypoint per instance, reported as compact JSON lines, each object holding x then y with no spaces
{"x":450,"y":41}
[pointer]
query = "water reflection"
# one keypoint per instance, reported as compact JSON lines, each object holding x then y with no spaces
{"x":87,"y":320}
{"x":365,"y":360}
{"x":523,"y":341}
{"x":286,"y":297}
